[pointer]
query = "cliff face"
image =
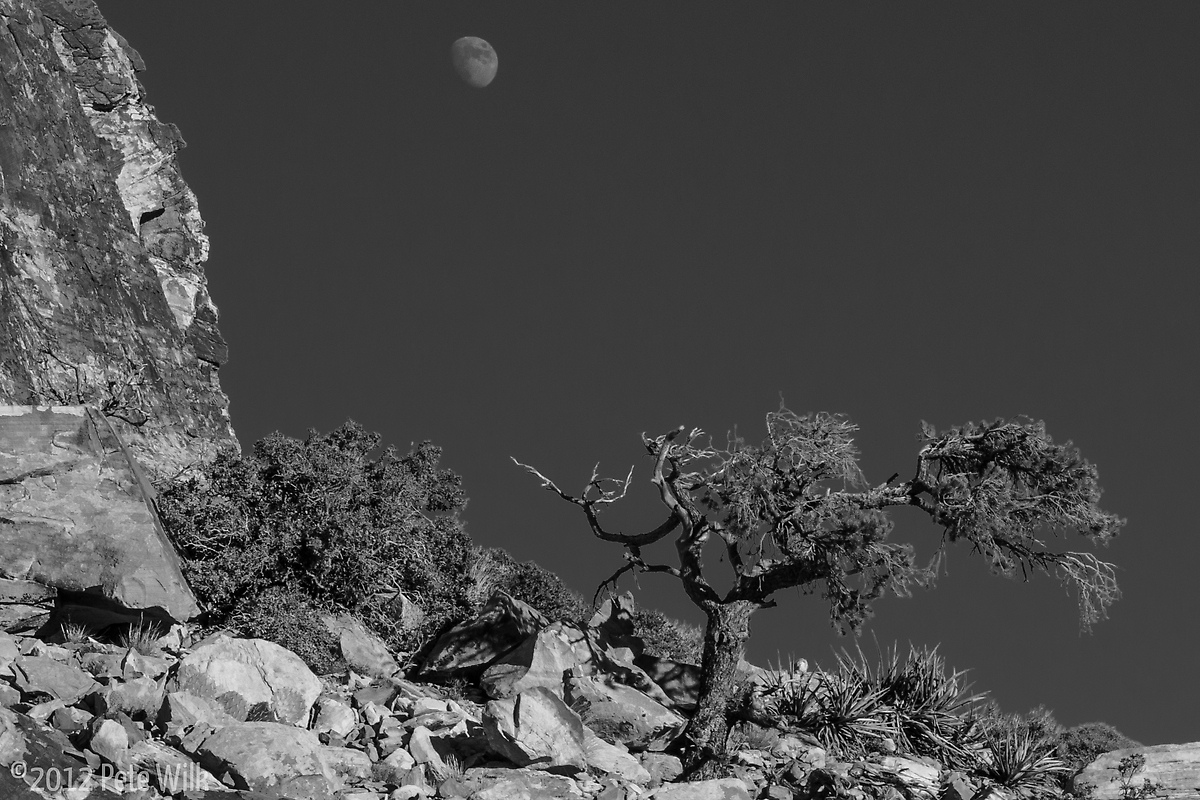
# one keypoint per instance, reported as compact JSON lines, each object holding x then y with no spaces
{"x":103,"y":298}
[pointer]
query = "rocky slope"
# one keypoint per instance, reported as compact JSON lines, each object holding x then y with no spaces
{"x":103,"y":298}
{"x":538,"y":710}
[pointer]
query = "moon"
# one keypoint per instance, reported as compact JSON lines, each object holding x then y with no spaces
{"x":475,"y":61}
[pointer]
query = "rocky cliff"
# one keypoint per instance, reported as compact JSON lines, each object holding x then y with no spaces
{"x":103,"y":298}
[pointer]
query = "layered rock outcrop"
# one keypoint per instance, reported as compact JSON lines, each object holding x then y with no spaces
{"x":76,"y":519}
{"x":1173,"y":770}
{"x":103,"y":297}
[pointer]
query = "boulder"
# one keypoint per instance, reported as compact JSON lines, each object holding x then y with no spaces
{"x":490,"y":783}
{"x":110,"y":741}
{"x":12,"y":740}
{"x":70,"y":720}
{"x":543,"y":659}
{"x":140,"y":698}
{"x":9,"y":651}
{"x":721,"y":789}
{"x":347,"y":763}
{"x":535,"y":729}
{"x":619,"y":713}
{"x":469,"y":647}
{"x":681,"y":682}
{"x":171,"y":771}
{"x":363,"y":651}
{"x":42,"y":674}
{"x":612,"y":626}
{"x":23,"y":604}
{"x":77,"y":514}
{"x":420,"y":745}
{"x":395,"y":766}
{"x":183,"y":710}
{"x":381,"y":696}
{"x":334,"y":717}
{"x":612,"y":759}
{"x":269,"y":756}
{"x":920,"y":774}
{"x":102,"y":665}
{"x":43,"y":751}
{"x":663,"y":768}
{"x":250,"y":677}
{"x":1174,"y":767}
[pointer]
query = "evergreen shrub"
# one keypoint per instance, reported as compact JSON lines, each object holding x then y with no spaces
{"x":297,"y":525}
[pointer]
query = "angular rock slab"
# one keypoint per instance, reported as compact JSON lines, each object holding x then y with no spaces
{"x":613,"y":760}
{"x":721,"y":789}
{"x":1175,"y":767}
{"x":619,"y":713}
{"x":248,"y":676}
{"x":535,"y":729}
{"x":541,"y":660}
{"x":490,"y":783}
{"x":42,"y":674}
{"x":42,"y":750}
{"x":76,"y":513}
{"x":680,"y":681}
{"x":365,"y":652}
{"x":269,"y":756}
{"x":469,"y":647}
{"x":170,"y":770}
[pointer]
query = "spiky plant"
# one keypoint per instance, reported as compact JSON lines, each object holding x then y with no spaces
{"x":75,"y":632}
{"x":932,"y":707}
{"x":143,"y":637}
{"x":851,"y":717}
{"x":1022,"y":762}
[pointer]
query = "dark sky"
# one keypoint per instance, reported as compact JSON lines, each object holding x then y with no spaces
{"x":671,"y":213}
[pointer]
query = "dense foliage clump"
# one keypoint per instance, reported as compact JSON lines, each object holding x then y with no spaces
{"x":668,"y":638}
{"x":495,"y":569}
{"x":320,"y":523}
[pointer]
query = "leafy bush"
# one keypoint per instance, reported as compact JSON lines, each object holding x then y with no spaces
{"x":289,"y":618}
{"x":494,"y":568}
{"x":1079,"y":746}
{"x":669,"y":638}
{"x":321,"y":519}
{"x":528,"y":582}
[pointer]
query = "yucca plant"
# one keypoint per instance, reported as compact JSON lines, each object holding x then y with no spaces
{"x":850,"y":715}
{"x":932,"y":707}
{"x":1022,"y":762}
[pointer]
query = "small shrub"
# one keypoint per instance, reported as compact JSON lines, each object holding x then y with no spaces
{"x":454,"y":770}
{"x":142,"y":637}
{"x":1081,"y":745}
{"x":289,"y":619}
{"x":75,"y":632}
{"x":669,"y":638}
{"x":323,"y":516}
{"x":530,"y":583}
{"x":1130,"y":766}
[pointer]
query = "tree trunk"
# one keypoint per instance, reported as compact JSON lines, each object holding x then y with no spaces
{"x":725,"y":638}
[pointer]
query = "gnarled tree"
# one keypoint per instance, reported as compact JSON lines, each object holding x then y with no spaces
{"x":796,"y":511}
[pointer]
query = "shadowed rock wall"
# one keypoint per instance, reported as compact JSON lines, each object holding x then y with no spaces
{"x":103,"y":298}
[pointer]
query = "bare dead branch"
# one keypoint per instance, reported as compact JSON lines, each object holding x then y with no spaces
{"x":590,"y":510}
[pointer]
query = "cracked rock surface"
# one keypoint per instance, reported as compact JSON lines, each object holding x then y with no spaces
{"x":103,"y":297}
